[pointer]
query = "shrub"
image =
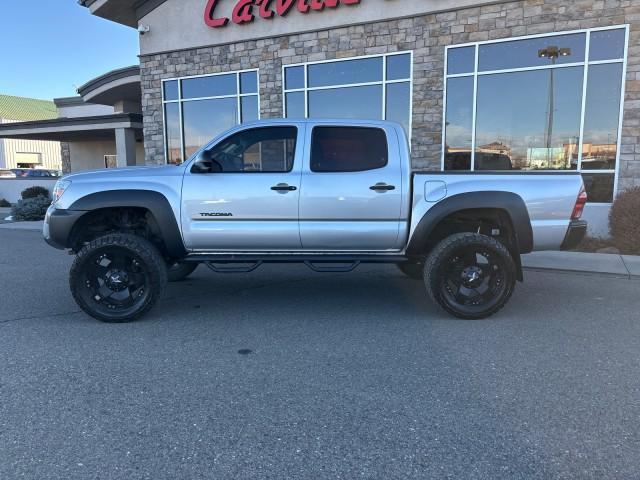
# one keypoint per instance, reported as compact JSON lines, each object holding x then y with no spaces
{"x":30,"y":208}
{"x":33,"y":192}
{"x":4,"y":203}
{"x":624,"y":221}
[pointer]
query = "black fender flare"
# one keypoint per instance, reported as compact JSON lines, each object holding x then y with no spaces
{"x":155,"y":202}
{"x":509,"y":202}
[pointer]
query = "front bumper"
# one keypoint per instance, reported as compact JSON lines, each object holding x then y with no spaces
{"x":57,"y":226}
{"x":576,"y":232}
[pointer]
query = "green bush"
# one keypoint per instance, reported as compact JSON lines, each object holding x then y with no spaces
{"x":624,"y":221}
{"x":33,"y":192}
{"x":4,"y":203}
{"x":30,"y":209}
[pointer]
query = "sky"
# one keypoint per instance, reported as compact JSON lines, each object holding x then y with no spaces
{"x":48,"y":48}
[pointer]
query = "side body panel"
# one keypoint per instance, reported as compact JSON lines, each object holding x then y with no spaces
{"x":549,"y":199}
{"x":340,"y":212}
{"x":240,"y":211}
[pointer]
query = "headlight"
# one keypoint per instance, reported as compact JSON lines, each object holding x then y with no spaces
{"x":59,"y":189}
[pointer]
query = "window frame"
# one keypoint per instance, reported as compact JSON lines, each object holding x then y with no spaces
{"x":180,"y":101}
{"x":383,"y":83}
{"x":475,"y":74}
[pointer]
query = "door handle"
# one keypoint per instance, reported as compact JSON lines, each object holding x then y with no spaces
{"x":283,"y":187}
{"x":382,"y":187}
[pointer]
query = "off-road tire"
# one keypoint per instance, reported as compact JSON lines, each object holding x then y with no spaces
{"x":148,"y":259}
{"x":412,"y":270}
{"x":442,"y":257}
{"x":180,"y":270}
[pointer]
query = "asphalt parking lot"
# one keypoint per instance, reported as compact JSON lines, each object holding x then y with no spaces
{"x":338,"y":376}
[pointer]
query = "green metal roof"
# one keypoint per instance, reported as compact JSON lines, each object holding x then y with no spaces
{"x":26,"y":109}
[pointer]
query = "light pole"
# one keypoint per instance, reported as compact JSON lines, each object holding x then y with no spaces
{"x":552,"y":52}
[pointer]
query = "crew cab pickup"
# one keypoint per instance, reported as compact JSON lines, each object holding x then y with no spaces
{"x":328,"y":193}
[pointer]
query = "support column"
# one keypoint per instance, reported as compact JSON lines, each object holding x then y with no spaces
{"x":125,"y":147}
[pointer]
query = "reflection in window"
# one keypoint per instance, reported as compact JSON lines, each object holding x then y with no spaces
{"x":607,"y":45}
{"x":350,"y":102}
{"x":461,"y":60}
{"x":529,"y":120}
{"x":172,"y":126}
{"x":203,"y":107}
{"x":205,"y":119}
{"x":294,"y":107}
{"x":359,"y":88}
{"x":458,"y":134}
{"x":527,"y":52}
{"x":345,"y":72}
{"x":258,"y":150}
{"x":530,"y":103}
{"x":602,"y":115}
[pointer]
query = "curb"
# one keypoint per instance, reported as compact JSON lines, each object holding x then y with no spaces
{"x":576,"y":263}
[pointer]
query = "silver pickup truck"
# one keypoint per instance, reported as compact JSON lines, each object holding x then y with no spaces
{"x":328,"y":193}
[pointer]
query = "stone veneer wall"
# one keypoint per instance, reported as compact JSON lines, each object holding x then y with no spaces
{"x":427,"y":36}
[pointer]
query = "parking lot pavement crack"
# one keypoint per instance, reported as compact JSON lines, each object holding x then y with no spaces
{"x":33,"y":317}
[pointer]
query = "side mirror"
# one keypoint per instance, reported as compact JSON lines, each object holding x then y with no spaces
{"x":205,"y":164}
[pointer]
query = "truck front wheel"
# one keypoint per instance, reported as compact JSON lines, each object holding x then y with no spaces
{"x":469,"y":275}
{"x":118,"y":277}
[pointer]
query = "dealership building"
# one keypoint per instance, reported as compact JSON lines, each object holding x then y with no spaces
{"x":528,"y":86}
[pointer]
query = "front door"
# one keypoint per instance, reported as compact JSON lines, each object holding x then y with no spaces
{"x":351,"y":193}
{"x":247,"y":197}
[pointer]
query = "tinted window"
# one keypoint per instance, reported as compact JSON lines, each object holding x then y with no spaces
{"x":172,"y":133}
{"x":348,"y":149}
{"x":257,"y":150}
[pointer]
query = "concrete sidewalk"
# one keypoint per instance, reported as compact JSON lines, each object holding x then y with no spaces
{"x":22,"y":225}
{"x":624,"y":266}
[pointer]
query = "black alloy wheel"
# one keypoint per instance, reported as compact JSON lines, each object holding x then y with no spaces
{"x":471,"y":276}
{"x":118,"y":277}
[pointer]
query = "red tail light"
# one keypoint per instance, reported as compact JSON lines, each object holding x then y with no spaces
{"x":580,"y":203}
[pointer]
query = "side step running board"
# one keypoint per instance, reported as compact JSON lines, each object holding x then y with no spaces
{"x":349,"y":267}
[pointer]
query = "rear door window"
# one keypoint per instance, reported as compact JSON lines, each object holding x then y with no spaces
{"x":348,"y":149}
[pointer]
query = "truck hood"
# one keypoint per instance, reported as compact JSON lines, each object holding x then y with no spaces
{"x":128,"y":172}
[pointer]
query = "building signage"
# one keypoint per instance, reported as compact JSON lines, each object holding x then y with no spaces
{"x":245,"y":11}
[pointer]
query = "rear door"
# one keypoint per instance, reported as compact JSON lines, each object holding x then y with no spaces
{"x":351,"y":189}
{"x":249,"y":199}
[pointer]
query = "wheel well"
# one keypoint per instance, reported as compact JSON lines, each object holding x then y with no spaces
{"x":134,"y":220}
{"x":492,"y":222}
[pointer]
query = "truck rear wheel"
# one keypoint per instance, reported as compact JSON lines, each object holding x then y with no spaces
{"x":180,"y":270}
{"x":469,"y":275}
{"x":118,"y":277}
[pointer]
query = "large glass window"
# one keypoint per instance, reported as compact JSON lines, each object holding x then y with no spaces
{"x":368,"y":88}
{"x":523,"y":105}
{"x":196,"y":109}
